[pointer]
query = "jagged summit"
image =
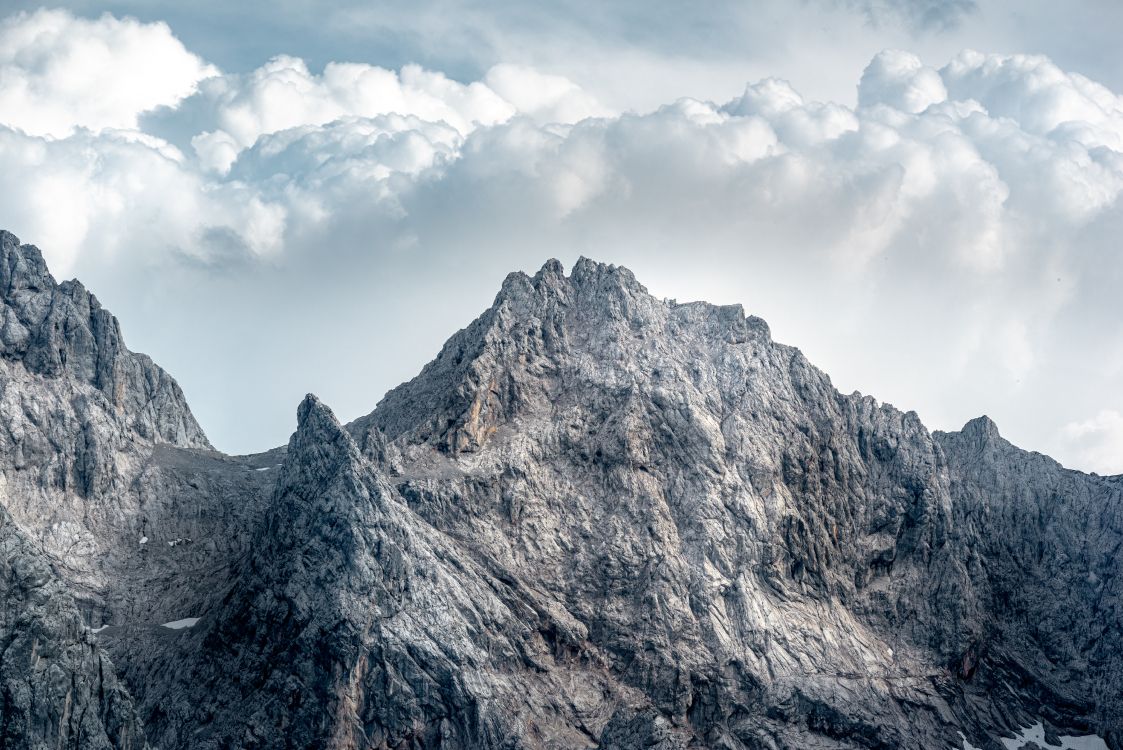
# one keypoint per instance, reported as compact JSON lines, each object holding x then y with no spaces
{"x":585,"y":271}
{"x":548,"y":324}
{"x":61,"y":329}
{"x":982,"y":426}
{"x":980,"y":433}
{"x":21,"y":266}
{"x":315,"y":421}
{"x":595,"y":520}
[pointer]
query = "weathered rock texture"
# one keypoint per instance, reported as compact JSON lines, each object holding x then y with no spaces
{"x":111,"y":497}
{"x":596,"y":519}
{"x":57,"y":687}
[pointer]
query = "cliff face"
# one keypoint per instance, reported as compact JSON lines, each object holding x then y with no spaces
{"x":1046,"y":545}
{"x":60,"y":332}
{"x":602,"y":519}
{"x":115,"y":510}
{"x":57,"y":686}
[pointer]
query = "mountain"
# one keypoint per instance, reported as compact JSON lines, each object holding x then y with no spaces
{"x":596,"y":519}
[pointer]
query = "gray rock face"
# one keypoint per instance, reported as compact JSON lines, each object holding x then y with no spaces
{"x":1046,"y":547}
{"x":57,"y":687}
{"x":57,"y":330}
{"x":596,"y":519}
{"x":80,"y":416}
{"x":98,"y":453}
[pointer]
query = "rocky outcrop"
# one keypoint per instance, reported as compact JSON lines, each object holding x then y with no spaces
{"x":101,"y":460}
{"x":57,"y":687}
{"x":596,"y":519}
{"x":1046,"y":545}
{"x":355,"y":625}
{"x":56,"y":330}
{"x":766,"y":559}
{"x":111,"y":491}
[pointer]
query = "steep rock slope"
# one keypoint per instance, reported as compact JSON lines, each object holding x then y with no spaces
{"x":701,"y":497}
{"x":101,"y":460}
{"x":1047,"y":545}
{"x":354,"y":624}
{"x":596,"y":519}
{"x":111,"y":496}
{"x":59,"y":331}
{"x":57,"y":687}
{"x":667,"y":522}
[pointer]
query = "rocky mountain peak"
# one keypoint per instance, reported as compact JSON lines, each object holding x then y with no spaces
{"x":516,"y":355}
{"x":61,"y":330}
{"x":315,"y":423}
{"x":320,"y":449}
{"x":21,"y":266}
{"x":595,"y":519}
{"x":590,"y":283}
{"x":552,"y":268}
{"x":590,"y":273}
{"x":978,"y":441}
{"x":981,"y":428}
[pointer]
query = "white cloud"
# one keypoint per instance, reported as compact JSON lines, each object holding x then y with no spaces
{"x":58,"y":72}
{"x":799,"y":123}
{"x":1096,"y":443}
{"x":283,"y":94}
{"x":1038,"y":95}
{"x":124,"y":198}
{"x":546,"y":98}
{"x":900,"y":80}
{"x":928,"y":246}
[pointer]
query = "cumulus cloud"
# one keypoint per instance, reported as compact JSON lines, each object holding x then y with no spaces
{"x":58,"y":72}
{"x":1039,"y":96}
{"x":900,"y":80}
{"x":929,"y":245}
{"x":284,"y":94}
{"x":105,"y":194}
{"x":546,"y":98}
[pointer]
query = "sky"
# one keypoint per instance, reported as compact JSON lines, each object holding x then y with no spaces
{"x":283,"y":197}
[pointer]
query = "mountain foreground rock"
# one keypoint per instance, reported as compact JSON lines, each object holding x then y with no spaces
{"x":596,"y":519}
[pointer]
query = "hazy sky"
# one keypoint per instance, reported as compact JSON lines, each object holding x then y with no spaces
{"x":281,"y":197}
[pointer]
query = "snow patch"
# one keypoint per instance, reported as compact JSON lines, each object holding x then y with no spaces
{"x":187,"y":622}
{"x":144,"y":540}
{"x":264,"y":468}
{"x":1036,"y":734}
{"x":98,"y":630}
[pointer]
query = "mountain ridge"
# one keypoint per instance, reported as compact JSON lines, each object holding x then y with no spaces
{"x":594,"y":519}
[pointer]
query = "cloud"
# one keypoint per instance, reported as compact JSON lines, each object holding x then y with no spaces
{"x":917,"y":15}
{"x":1043,"y":99}
{"x":944,"y":244}
{"x":1097,"y":443}
{"x":59,"y":72}
{"x":546,"y":98}
{"x":104,"y":197}
{"x":900,"y":80}
{"x":283,"y":94}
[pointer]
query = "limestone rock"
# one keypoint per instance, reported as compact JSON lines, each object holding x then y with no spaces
{"x":596,"y":519}
{"x":58,"y":689}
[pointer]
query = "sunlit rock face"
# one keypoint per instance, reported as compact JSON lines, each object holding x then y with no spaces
{"x":596,"y":519}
